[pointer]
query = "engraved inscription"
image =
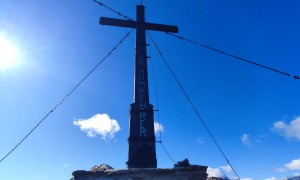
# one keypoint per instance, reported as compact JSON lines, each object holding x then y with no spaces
{"x":142,"y":96}
{"x":143,"y":118}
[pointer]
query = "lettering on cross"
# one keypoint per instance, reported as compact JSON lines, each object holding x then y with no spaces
{"x":143,"y":129}
{"x":142,"y":94}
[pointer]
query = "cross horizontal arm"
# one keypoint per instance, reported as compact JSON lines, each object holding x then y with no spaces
{"x":133,"y":24}
{"x":161,"y":27}
{"x":117,"y":22}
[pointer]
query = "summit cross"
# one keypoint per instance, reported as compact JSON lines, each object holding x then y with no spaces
{"x":141,"y":141}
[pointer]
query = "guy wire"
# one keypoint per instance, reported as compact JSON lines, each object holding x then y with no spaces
{"x":65,"y":98}
{"x":194,"y":108}
{"x":158,"y":117}
{"x":236,"y":57}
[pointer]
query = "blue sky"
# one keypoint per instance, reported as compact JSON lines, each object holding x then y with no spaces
{"x":252,"y":112}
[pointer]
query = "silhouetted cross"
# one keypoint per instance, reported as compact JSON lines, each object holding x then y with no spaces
{"x":142,"y":152}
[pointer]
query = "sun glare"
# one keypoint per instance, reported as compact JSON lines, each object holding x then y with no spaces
{"x":9,"y":53}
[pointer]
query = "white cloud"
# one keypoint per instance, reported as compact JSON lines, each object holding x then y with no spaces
{"x":271,"y":178}
{"x":214,"y":172}
{"x":251,"y":141}
{"x":226,"y":168}
{"x":293,"y":165}
{"x":158,"y":128}
{"x":100,"y":124}
{"x":288,"y":130}
{"x":246,"y":139}
{"x":219,"y":172}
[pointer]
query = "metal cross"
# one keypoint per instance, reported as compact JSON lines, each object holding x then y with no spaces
{"x":142,"y":152}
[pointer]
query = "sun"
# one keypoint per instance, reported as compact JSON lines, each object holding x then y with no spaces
{"x":9,"y":52}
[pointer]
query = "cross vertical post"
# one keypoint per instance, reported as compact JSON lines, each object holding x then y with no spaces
{"x":142,"y":150}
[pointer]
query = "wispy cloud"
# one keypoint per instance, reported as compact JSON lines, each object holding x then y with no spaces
{"x":100,"y":124}
{"x":280,"y":169}
{"x":158,"y":128}
{"x":200,"y":140}
{"x":297,"y":174}
{"x":288,"y":130}
{"x":246,"y":139}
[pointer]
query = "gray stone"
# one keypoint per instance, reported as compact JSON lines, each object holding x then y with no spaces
{"x":101,"y":167}
{"x":188,"y":173}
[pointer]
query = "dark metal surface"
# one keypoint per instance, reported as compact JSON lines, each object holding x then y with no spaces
{"x":142,"y":151}
{"x":117,"y":22}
